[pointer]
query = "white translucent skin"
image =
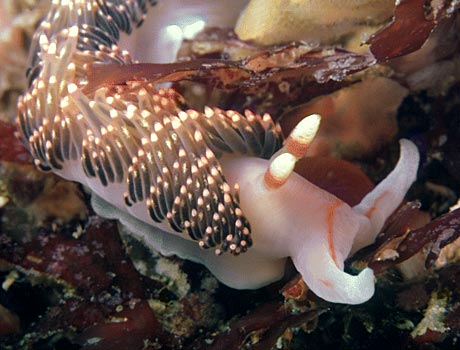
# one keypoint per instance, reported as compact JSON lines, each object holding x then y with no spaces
{"x":298,"y":220}
{"x":155,"y":42}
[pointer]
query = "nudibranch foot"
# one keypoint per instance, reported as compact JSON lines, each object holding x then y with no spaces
{"x":245,"y":271}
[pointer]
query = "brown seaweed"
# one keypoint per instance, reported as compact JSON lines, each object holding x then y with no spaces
{"x":413,"y":22}
{"x":407,"y":242}
{"x":268,"y":66}
{"x":267,"y":323}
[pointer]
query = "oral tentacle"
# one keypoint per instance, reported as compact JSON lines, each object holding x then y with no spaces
{"x":385,"y":198}
{"x":320,"y":260}
{"x":331,"y":283}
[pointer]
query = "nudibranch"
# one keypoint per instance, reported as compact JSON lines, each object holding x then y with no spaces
{"x":194,"y":184}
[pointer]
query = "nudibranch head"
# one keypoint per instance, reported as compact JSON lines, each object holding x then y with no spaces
{"x":182,"y":180}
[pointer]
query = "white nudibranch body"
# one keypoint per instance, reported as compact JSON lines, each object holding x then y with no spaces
{"x":297,"y":220}
{"x":185,"y":181}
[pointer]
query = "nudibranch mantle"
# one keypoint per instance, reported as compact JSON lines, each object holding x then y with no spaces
{"x":176,"y":177}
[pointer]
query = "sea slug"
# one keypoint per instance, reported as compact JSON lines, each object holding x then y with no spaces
{"x":216,"y":187}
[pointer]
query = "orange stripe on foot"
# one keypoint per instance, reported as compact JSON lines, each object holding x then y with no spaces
{"x":330,"y":225}
{"x":326,"y":283}
{"x":374,"y":206}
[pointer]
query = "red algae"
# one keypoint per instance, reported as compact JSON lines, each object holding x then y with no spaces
{"x":412,"y":24}
{"x":267,"y":323}
{"x":100,"y":279}
{"x":11,"y":149}
{"x":339,"y":177}
{"x":132,"y":328}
